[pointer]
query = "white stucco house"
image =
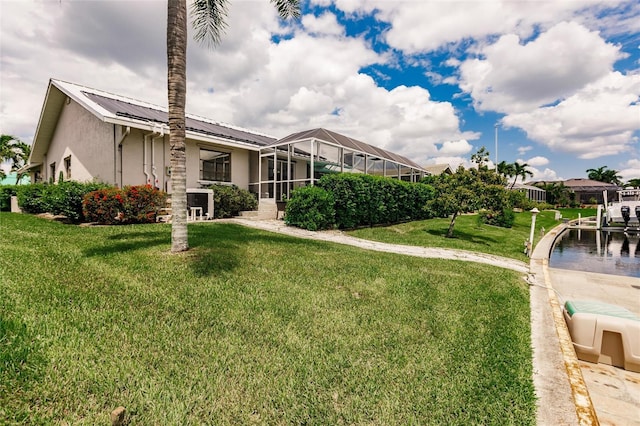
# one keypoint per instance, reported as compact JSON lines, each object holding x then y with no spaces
{"x":88,"y":134}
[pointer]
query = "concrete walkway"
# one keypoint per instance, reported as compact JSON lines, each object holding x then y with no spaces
{"x":602,"y":394}
{"x":342,"y":238}
{"x":557,"y":395}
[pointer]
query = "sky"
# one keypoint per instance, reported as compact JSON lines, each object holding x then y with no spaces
{"x":555,"y":82}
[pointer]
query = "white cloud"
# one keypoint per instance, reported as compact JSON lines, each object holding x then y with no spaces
{"x":524,"y":149}
{"x":537,"y":161}
{"x":547,"y":174}
{"x":598,"y":120}
{"x":418,"y":27}
{"x":453,"y":148}
{"x":630,"y":170}
{"x":512,"y":77}
{"x":327,"y":23}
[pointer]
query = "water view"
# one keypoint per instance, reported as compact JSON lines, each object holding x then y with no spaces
{"x":603,"y":252}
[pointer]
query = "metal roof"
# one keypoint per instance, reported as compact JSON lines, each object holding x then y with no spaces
{"x":346,"y":142}
{"x":144,"y":113}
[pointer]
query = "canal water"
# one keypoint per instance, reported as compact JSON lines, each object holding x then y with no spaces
{"x":614,"y":253}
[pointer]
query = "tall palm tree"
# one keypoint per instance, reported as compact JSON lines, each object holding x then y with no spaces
{"x":506,"y":169}
{"x":14,"y":151}
{"x":520,"y":170}
{"x":601,"y":174}
{"x":208,"y":19}
{"x":634,"y":183}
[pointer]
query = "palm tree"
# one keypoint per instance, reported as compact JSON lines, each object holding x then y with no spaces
{"x":601,"y":174}
{"x":520,"y":170}
{"x":506,"y":169}
{"x":208,"y":19}
{"x":634,"y":183}
{"x":14,"y":151}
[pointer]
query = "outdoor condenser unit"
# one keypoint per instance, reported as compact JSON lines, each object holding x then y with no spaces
{"x":203,"y":198}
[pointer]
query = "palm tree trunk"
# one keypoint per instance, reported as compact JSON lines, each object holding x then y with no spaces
{"x":177,"y":88}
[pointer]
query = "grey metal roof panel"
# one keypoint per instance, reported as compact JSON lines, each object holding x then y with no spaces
{"x":347,"y":142}
{"x":144,"y":113}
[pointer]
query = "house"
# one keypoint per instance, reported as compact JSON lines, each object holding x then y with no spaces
{"x":532,"y":193}
{"x":86,"y":134}
{"x":438,"y":169}
{"x":591,"y":191}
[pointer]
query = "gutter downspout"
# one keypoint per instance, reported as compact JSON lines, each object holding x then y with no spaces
{"x":147,"y":180}
{"x":122,"y":138}
{"x":159,"y":134}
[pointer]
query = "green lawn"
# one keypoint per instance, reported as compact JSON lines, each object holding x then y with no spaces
{"x":469,"y":234}
{"x":250,"y":327}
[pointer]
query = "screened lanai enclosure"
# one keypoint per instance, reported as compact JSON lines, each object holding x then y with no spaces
{"x":303,"y":158}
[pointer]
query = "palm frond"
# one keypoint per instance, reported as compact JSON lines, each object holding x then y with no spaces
{"x":208,"y":18}
{"x":287,"y":8}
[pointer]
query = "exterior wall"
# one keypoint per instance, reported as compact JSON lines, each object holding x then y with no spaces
{"x":87,"y":141}
{"x":92,"y":147}
{"x":133,"y":159}
{"x":240,"y":163}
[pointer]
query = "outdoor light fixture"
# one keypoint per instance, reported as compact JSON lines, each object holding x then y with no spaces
{"x":534,"y":212}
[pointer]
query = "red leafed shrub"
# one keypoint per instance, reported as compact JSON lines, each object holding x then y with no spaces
{"x":132,"y":204}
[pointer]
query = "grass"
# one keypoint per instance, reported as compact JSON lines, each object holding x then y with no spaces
{"x":250,"y":327}
{"x":469,"y":234}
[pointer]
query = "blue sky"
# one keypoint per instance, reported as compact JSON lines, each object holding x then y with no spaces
{"x":427,"y":79}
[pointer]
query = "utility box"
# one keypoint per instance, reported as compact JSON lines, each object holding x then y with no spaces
{"x":203,"y":198}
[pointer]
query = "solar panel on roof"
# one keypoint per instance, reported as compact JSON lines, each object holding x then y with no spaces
{"x":144,"y":113}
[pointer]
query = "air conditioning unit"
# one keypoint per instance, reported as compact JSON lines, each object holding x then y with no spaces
{"x":203,"y":198}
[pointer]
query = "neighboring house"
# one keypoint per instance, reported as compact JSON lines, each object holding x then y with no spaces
{"x":438,"y":169}
{"x":587,"y":191}
{"x":87,"y":134}
{"x":532,"y":192}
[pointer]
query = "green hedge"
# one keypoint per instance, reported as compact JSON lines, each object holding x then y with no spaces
{"x":312,"y":208}
{"x":365,"y":200}
{"x":64,"y":198}
{"x":229,"y":201}
{"x":358,"y":200}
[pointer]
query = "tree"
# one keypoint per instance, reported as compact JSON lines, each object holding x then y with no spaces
{"x":506,"y":169}
{"x":634,"y":183}
{"x":455,"y":194}
{"x":208,"y":19}
{"x":481,"y":158}
{"x":601,"y":174}
{"x":520,"y":170}
{"x":14,"y":151}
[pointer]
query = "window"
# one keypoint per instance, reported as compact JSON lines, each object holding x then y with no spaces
{"x":67,"y":167}
{"x":215,"y":166}
{"x":52,"y":172}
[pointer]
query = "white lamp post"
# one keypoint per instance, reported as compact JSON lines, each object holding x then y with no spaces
{"x":534,"y":211}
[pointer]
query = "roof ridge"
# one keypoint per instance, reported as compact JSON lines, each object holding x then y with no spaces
{"x":145,"y":104}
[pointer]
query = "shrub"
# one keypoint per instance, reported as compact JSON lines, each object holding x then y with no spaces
{"x":105,"y":206}
{"x":132,"y":204}
{"x":370,"y":200}
{"x":503,"y":218}
{"x":31,"y":198}
{"x":142,"y":203}
{"x":66,"y":198}
{"x":229,"y":201}
{"x":312,"y":208}
{"x":6,"y":192}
